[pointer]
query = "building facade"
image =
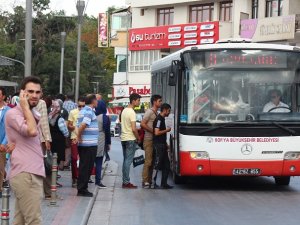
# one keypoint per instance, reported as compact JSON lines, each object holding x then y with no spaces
{"x":157,"y":28}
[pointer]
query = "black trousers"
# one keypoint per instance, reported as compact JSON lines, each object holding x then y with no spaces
{"x":161,"y":162}
{"x":86,"y":163}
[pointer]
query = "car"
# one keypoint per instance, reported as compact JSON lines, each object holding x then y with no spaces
{"x":115,"y":125}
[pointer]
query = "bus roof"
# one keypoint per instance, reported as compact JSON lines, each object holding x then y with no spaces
{"x":166,"y":61}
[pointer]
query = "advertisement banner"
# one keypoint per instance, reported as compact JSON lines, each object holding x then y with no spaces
{"x":102,"y":30}
{"x":173,"y":36}
{"x":126,"y":90}
{"x":269,"y":29}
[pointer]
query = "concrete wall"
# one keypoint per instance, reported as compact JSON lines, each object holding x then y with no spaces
{"x":147,"y":3}
{"x":237,"y":9}
{"x":148,"y":20}
{"x":294,"y":7}
{"x":139,"y":78}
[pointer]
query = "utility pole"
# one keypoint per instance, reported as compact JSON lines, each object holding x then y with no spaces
{"x":63,"y":38}
{"x":28,"y":38}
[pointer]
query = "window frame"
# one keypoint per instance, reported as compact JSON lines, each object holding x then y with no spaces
{"x":167,"y":13}
{"x":200,"y":8}
{"x":269,"y":8}
{"x":141,"y":61}
{"x":254,"y":6}
{"x":223,"y":5}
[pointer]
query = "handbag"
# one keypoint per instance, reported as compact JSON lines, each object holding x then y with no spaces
{"x":48,"y":159}
{"x":138,"y":158}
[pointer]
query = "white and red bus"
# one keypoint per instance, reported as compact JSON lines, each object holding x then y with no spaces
{"x":225,"y":118}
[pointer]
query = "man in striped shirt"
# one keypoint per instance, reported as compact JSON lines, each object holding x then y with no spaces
{"x":87,"y":144}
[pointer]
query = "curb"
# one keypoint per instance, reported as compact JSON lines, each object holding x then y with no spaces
{"x":87,"y":213}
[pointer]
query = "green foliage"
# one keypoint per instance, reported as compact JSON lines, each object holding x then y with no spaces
{"x":97,"y":64}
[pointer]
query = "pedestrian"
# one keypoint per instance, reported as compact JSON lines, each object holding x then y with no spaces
{"x":27,"y":161}
{"x":104,"y":139}
{"x":87,"y":144}
{"x":69,"y":104}
{"x":147,"y":125}
{"x":59,"y":132}
{"x":45,"y":138}
{"x":73,"y":116}
{"x":3,"y":140}
{"x":129,"y":137}
{"x":161,"y":156}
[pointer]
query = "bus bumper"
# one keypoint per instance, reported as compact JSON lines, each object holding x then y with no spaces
{"x":211,"y":167}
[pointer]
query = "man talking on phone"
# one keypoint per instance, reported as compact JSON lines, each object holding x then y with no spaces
{"x":27,"y":165}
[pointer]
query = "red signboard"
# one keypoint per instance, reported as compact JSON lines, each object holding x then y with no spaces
{"x":173,"y":36}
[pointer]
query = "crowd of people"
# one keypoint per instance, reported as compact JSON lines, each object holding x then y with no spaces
{"x":33,"y":127}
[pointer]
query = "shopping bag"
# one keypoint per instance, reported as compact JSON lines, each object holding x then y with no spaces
{"x":138,"y":158}
{"x":48,"y":160}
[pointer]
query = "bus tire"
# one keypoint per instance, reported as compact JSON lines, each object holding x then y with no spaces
{"x":178,"y":179}
{"x":282,"y":180}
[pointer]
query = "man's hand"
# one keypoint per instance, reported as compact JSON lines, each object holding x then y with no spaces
{"x":168,"y":129}
{"x":79,"y":140}
{"x":108,"y":148}
{"x":23,"y":100}
{"x":10,"y":147}
{"x":2,"y":148}
{"x":74,"y":141}
{"x":48,"y":145}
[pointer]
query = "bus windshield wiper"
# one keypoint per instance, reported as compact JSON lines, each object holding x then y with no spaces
{"x":214,"y":128}
{"x":290,"y":131}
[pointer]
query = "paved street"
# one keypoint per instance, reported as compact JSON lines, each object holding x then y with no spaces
{"x":204,"y":201}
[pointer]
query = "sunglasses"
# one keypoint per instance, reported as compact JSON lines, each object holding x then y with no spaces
{"x":274,"y":96}
{"x":81,"y":106}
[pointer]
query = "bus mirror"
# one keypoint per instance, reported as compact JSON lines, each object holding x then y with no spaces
{"x":174,"y":72}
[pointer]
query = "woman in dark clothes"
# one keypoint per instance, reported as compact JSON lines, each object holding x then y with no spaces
{"x":104,"y":139}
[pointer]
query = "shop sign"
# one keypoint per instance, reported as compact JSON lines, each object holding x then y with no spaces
{"x":126,"y":90}
{"x":173,"y":36}
{"x":269,"y":29}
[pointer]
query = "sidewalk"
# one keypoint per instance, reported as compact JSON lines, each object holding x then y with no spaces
{"x":71,"y":210}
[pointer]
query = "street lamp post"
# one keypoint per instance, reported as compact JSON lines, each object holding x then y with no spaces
{"x":63,"y":37}
{"x":28,"y":36}
{"x":80,"y":9}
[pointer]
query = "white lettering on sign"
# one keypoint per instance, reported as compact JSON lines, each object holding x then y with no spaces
{"x":141,"y":91}
{"x":190,"y":42}
{"x":174,"y":43}
{"x":207,"y":41}
{"x":174,"y":29}
{"x":147,"y":36}
{"x":174,"y":36}
{"x":207,"y":34}
{"x":190,"y":35}
{"x":190,"y":28}
{"x":207,"y":26}
{"x":246,"y":140}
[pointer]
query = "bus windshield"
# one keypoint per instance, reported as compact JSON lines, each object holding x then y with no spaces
{"x":240,"y":85}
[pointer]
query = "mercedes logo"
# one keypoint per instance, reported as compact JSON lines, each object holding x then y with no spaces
{"x":246,"y":149}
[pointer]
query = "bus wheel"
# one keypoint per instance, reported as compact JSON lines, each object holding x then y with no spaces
{"x":178,"y":179}
{"x":282,"y":180}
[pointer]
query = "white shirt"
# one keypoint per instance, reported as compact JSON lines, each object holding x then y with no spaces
{"x":271,"y":105}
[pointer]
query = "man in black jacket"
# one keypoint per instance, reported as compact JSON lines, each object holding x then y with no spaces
{"x":161,"y":157}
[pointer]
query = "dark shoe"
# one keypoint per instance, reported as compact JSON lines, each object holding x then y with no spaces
{"x":58,"y":185}
{"x":85,"y":194}
{"x":101,"y":186}
{"x":91,"y":181}
{"x":166,"y":186}
{"x":74,"y":183}
{"x":0,"y":194}
{"x":66,"y":168}
{"x":129,"y":186}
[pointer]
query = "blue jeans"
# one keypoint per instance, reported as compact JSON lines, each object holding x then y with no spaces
{"x":99,"y":162}
{"x":129,"y":148}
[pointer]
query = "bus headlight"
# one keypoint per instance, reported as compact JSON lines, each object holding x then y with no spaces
{"x":292,"y":155}
{"x":199,"y":155}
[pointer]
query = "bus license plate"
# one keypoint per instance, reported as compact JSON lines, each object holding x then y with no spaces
{"x":241,"y":172}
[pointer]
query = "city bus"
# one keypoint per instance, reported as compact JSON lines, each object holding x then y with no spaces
{"x":235,"y":109}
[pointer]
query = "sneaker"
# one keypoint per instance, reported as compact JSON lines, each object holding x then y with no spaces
{"x":166,"y":186}
{"x":91,"y":181}
{"x":58,"y":185}
{"x":129,"y":186}
{"x":85,"y":193}
{"x":146,"y":185}
{"x":101,"y":186}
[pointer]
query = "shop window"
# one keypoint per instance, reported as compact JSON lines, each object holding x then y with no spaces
{"x":226,"y":11}
{"x":165,"y":16}
{"x":142,"y":60}
{"x":121,"y":63}
{"x":201,"y":13}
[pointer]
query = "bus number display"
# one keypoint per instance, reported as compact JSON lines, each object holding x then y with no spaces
{"x":240,"y":59}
